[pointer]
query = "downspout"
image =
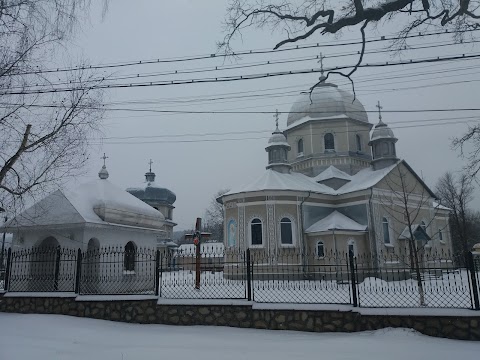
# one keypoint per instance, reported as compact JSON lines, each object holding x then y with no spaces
{"x":371,"y":234}
{"x":303,"y":235}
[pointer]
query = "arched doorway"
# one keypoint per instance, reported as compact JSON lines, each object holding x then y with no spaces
{"x":91,"y":271}
{"x":43,"y":265}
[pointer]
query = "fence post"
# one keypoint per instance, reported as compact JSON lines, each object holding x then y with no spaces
{"x":473,"y":279}
{"x":249,"y":277}
{"x":57,"y":268}
{"x":7,"y":270}
{"x":79,"y":271}
{"x":353,"y":277}
{"x":157,"y":273}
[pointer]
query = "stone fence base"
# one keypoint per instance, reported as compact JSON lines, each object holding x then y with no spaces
{"x":464,"y":327}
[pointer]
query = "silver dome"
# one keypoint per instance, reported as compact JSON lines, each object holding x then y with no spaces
{"x":328,"y":101}
{"x":382,"y":131}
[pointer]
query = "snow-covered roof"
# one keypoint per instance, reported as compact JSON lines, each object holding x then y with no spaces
{"x":439,"y":206}
{"x":336,"y":221}
{"x":365,"y":179}
{"x":274,"y":180}
{"x":418,"y":232}
{"x":98,"y":201}
{"x":332,"y":173}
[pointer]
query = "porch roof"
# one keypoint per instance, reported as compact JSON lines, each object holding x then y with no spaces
{"x":336,"y":221}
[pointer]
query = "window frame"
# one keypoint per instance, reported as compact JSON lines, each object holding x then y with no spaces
{"x":323,"y":249}
{"x":386,"y":221}
{"x":325,"y":142}
{"x":353,"y":243}
{"x":300,"y":141}
{"x":292,"y":229}
{"x":250,"y":233}
{"x":129,"y":258}
{"x":358,"y":143}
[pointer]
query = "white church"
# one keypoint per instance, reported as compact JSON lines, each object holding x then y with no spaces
{"x":333,"y":184}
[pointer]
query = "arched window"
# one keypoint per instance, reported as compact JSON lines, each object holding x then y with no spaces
{"x":129,"y":256}
{"x":385,"y":149}
{"x":359,"y":142}
{"x":256,"y":232}
{"x":352,"y":248}
{"x":300,"y":147}
{"x":286,"y":231}
{"x":440,"y":235}
{"x":329,"y":142}
{"x":320,"y":249}
{"x":386,"y":231}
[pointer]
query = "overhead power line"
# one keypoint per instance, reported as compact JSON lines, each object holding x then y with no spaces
{"x":240,"y":53}
{"x":241,"y":77}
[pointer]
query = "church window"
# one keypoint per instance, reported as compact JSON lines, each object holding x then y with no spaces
{"x":129,"y":256}
{"x":300,"y":147}
{"x":385,"y":150}
{"x":386,"y":231}
{"x":286,"y":233}
{"x":256,"y":232}
{"x":440,"y":235}
{"x":329,"y":142}
{"x":359,"y":142}
{"x":352,"y":248}
{"x":320,"y":249}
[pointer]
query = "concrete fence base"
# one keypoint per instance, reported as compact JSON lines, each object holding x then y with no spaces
{"x":465,"y":326}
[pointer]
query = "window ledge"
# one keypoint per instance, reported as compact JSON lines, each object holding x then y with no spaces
{"x":287,"y":245}
{"x":128,"y":272}
{"x":320,"y":257}
{"x":389,"y":245}
{"x":443,"y":242}
{"x":257,"y":246}
{"x":300,"y":155}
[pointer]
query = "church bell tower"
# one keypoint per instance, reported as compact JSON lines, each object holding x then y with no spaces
{"x":383,"y":144}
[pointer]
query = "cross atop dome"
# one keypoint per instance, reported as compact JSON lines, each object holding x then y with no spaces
{"x":276,"y":116}
{"x":379,"y":107}
{"x":103,"y":173}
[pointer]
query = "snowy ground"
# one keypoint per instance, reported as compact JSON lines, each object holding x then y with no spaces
{"x":51,"y":337}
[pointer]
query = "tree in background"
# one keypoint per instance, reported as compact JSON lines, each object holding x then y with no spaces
{"x":456,"y":192}
{"x":214,"y":217}
{"x":44,"y":132}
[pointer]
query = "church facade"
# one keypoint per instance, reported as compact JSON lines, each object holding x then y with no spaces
{"x":334,"y":184}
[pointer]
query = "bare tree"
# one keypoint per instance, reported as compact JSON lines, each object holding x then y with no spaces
{"x":404,"y":202}
{"x":456,"y":192}
{"x":44,"y":135}
{"x":214,"y":216}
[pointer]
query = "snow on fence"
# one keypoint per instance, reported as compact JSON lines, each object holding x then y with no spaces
{"x":392,"y":279}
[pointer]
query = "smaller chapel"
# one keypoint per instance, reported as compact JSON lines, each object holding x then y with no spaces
{"x":333,"y":184}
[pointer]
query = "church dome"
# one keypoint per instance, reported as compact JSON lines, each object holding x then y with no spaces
{"x":277,"y":139}
{"x":382,"y":131}
{"x":150,"y":192}
{"x":327,"y":101}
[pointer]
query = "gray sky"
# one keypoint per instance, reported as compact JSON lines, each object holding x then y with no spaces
{"x":196,"y":170}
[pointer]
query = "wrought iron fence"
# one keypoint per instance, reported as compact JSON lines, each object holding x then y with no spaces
{"x":43,"y":269}
{"x":390,"y":279}
{"x":211,"y":274}
{"x":114,"y":270}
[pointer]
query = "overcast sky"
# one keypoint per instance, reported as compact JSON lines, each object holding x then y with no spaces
{"x":195,"y":171}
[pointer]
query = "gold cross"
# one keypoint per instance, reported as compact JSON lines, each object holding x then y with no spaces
{"x":104,"y":157}
{"x":379,"y":110}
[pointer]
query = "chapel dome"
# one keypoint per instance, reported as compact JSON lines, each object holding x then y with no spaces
{"x":327,"y":101}
{"x":150,"y":192}
{"x":382,"y":131}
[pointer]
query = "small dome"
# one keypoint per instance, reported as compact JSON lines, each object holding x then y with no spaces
{"x":277,"y":139}
{"x":151,"y":192}
{"x":382,"y":131}
{"x":327,"y":101}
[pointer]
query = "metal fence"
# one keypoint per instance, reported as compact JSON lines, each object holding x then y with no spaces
{"x":3,"y":266}
{"x":391,"y":279}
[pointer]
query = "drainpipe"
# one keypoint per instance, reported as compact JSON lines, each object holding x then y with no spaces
{"x":371,"y":234}
{"x":303,"y":235}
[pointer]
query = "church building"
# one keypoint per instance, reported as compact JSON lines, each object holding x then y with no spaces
{"x":333,"y":184}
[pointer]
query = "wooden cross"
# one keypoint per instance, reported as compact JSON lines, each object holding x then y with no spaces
{"x":276,"y":115}
{"x":150,"y":162}
{"x":379,"y":107}
{"x":197,"y":236}
{"x":104,"y":157}
{"x":321,"y":63}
